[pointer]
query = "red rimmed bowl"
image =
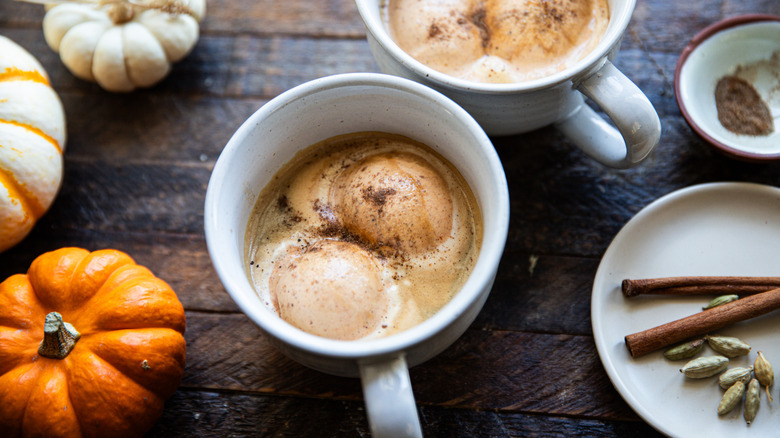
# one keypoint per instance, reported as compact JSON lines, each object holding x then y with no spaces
{"x":748,"y":47}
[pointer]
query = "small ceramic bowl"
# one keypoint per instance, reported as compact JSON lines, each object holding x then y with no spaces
{"x":747,"y":46}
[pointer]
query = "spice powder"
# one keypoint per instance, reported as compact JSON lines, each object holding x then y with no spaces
{"x":741,"y":109}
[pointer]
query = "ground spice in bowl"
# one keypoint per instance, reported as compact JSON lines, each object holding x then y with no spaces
{"x":741,"y":109}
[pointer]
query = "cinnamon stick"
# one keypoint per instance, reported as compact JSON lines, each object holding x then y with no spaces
{"x":699,"y":285}
{"x":702,"y":323}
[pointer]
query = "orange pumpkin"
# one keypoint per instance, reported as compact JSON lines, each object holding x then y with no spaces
{"x":91,"y":344}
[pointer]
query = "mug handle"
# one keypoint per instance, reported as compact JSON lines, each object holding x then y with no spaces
{"x":389,"y":400}
{"x":638,"y":126}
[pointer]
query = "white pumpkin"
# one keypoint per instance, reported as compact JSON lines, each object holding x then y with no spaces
{"x":32,"y":139}
{"x":122,"y":46}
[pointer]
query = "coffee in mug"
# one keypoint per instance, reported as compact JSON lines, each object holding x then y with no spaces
{"x":361,"y":236}
{"x":497,"y":41}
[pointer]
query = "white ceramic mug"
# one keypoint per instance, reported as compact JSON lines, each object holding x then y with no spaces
{"x":316,"y":111}
{"x":557,"y":99}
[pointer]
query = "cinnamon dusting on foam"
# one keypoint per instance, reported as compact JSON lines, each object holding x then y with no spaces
{"x":497,"y":40}
{"x":354,"y":198}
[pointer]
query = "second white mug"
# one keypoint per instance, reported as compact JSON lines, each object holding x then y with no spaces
{"x":513,"y":108}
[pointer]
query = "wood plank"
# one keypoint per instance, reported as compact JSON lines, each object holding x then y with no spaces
{"x":249,"y":67}
{"x":663,"y":25}
{"x":574,"y":208}
{"x":206,"y":414}
{"x":508,"y":371}
{"x":323,"y":18}
{"x":146,"y":129}
{"x":569,"y":207}
{"x":738,"y":7}
{"x":564,"y":203}
{"x":181,"y":260}
{"x":149,"y":126}
{"x":554,"y":298}
{"x":256,"y":62}
{"x":242,"y":67}
{"x":668,"y":26}
{"x":20,"y":14}
{"x":150,"y":199}
{"x":543,"y":294}
{"x":262,"y":17}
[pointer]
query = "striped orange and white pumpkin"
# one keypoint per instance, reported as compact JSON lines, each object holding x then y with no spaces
{"x":32,"y":140}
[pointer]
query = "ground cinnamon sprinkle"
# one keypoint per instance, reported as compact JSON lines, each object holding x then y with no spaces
{"x":434,"y":31}
{"x":478,"y":19}
{"x":740,"y":108}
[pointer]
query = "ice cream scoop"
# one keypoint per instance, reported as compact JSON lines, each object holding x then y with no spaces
{"x":395,"y":200}
{"x":440,"y":34}
{"x":535,"y":31}
{"x":331,"y":288}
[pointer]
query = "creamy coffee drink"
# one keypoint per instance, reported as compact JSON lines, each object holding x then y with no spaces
{"x":497,"y":41}
{"x":362,"y":236}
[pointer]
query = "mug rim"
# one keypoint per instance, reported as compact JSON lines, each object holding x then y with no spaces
{"x":495,"y":226}
{"x":597,"y":56}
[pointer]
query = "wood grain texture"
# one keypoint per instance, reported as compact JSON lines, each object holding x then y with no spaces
{"x":137,"y":167}
{"x":229,"y":352}
{"x":234,"y":17}
{"x":203,"y":413}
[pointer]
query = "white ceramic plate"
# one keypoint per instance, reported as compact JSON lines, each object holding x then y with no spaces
{"x":710,"y":229}
{"x":748,"y":42}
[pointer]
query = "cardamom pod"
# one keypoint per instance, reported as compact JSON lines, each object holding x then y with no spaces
{"x":742,"y":374}
{"x":703,"y":367}
{"x":764,"y":373}
{"x":685,"y":350}
{"x":721,"y":300}
{"x":752,"y":400}
{"x":731,"y":398}
{"x":728,"y":346}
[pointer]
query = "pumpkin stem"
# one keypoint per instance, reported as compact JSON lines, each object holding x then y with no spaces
{"x":121,"y":13}
{"x":59,"y":337}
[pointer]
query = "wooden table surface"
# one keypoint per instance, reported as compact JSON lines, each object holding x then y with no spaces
{"x":136,"y":170}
